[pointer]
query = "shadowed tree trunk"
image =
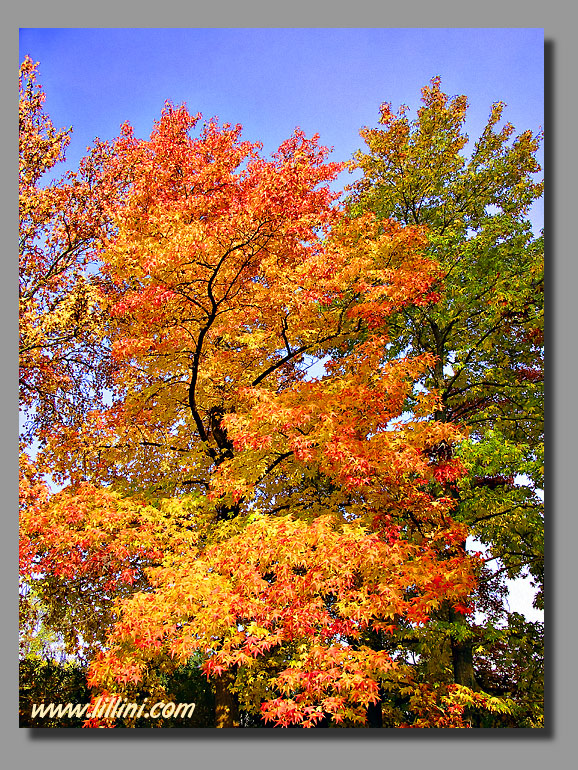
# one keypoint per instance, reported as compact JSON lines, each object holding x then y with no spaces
{"x":374,"y":716}
{"x":226,"y":705}
{"x":462,"y":655}
{"x":462,"y":650}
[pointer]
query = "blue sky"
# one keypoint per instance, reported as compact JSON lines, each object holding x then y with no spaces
{"x":329,"y":81}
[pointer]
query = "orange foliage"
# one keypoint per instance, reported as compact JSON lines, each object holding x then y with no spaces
{"x":233,"y":504}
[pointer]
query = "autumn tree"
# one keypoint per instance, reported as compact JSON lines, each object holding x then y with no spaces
{"x":485,"y":330}
{"x":62,"y":364}
{"x":228,"y":501}
{"x":62,"y":224}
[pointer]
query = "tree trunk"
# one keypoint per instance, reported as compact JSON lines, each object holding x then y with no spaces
{"x":374,"y":715}
{"x":226,"y":705}
{"x":463,"y":661}
{"x":462,"y":654}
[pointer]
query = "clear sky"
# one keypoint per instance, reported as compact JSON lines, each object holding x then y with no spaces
{"x":329,"y":81}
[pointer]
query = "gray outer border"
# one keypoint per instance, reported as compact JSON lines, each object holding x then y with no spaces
{"x":145,"y":749}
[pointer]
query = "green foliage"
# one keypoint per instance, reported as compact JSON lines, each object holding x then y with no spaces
{"x":500,"y":502}
{"x":485,"y":330}
{"x":48,"y":681}
{"x":513,"y":667}
{"x":187,"y":684}
{"x":52,"y":681}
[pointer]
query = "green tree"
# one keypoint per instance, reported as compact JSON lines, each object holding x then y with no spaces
{"x":45,"y":681}
{"x":50,"y":681}
{"x":486,"y":327}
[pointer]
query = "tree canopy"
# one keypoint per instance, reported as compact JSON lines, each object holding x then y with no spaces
{"x":241,"y":388}
{"x":485,"y":329}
